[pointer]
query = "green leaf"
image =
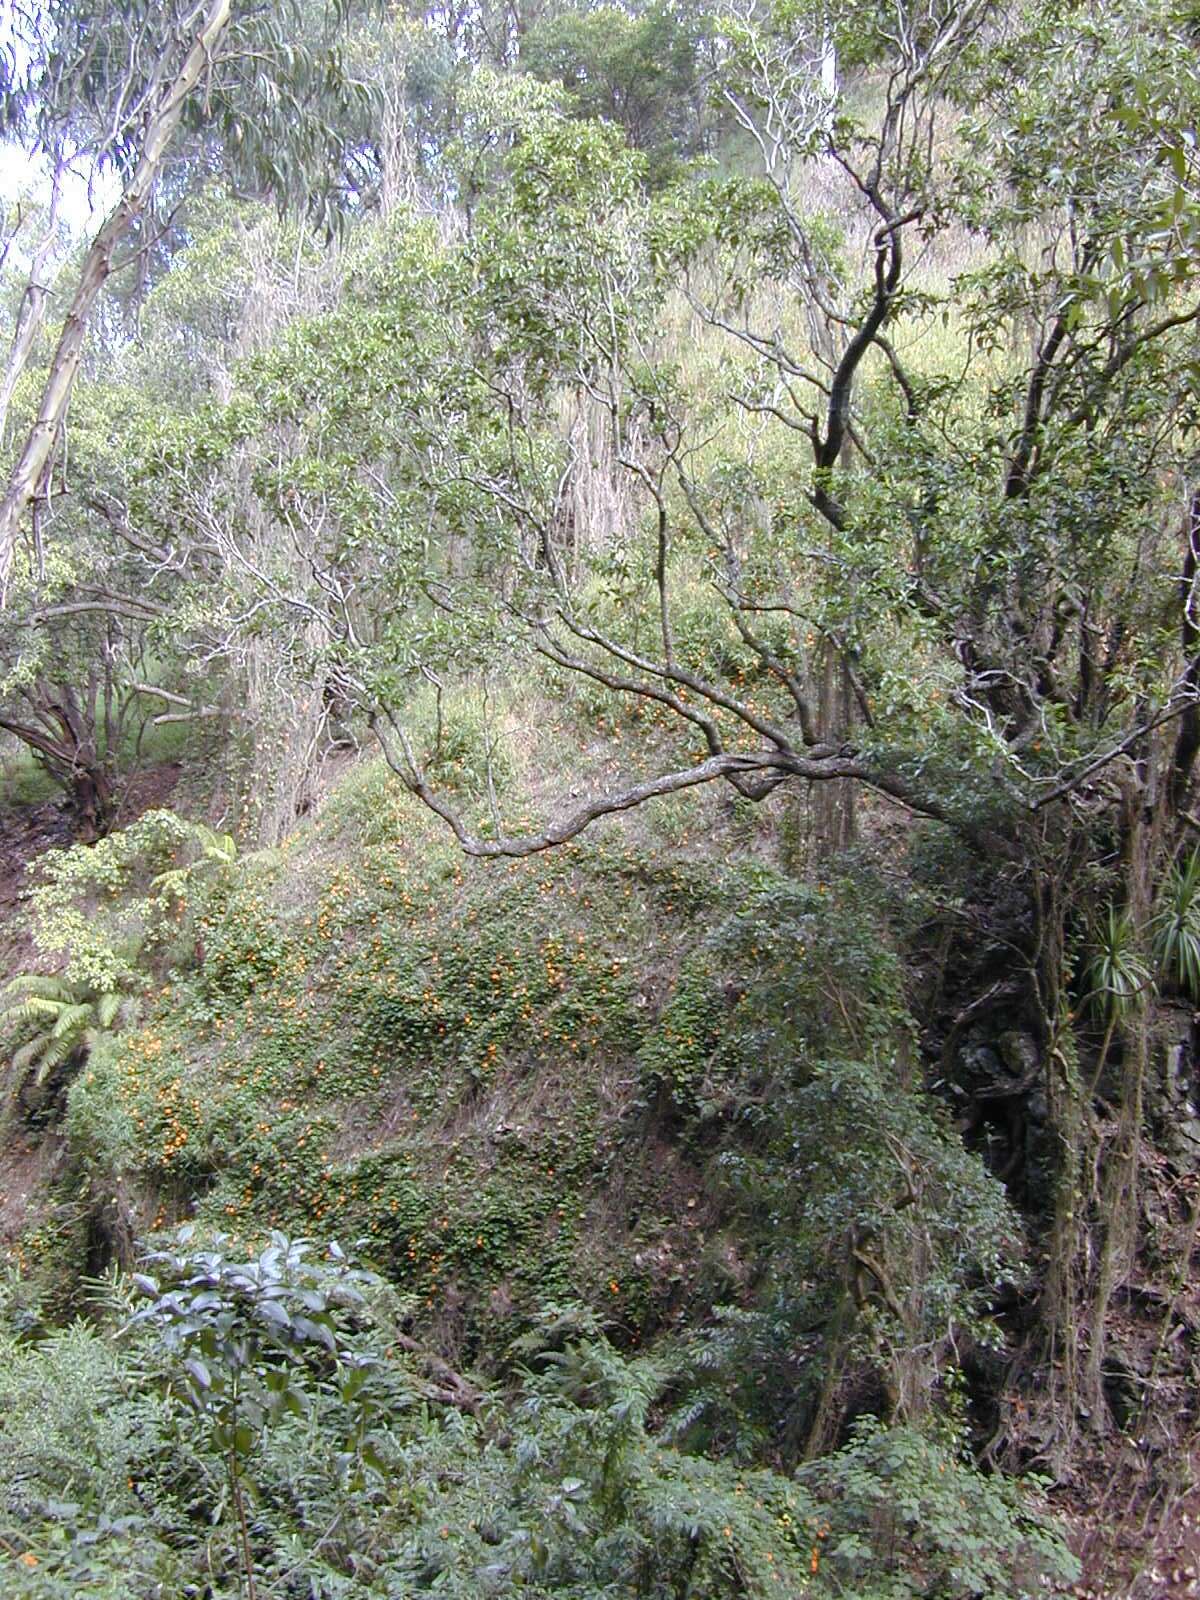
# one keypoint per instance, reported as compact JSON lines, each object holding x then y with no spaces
{"x":199,"y":1373}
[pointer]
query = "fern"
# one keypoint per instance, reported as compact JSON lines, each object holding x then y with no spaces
{"x":72,"y":1019}
{"x":24,"y":1058}
{"x":59,"y":1020}
{"x":32,"y":1010}
{"x":108,"y":1008}
{"x":217,"y":851}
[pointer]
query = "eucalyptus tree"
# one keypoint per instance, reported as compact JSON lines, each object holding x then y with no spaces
{"x":145,"y":104}
{"x":139,"y":107}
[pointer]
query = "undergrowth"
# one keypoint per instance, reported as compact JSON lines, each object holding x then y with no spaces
{"x":677,"y":1095}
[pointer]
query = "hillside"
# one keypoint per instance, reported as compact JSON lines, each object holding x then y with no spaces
{"x":599,"y":800}
{"x":653,"y":1083}
{"x":510,"y":1087}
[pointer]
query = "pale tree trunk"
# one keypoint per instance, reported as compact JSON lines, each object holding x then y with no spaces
{"x":290,"y":719}
{"x":33,"y":464}
{"x":829,"y":66}
{"x":32,"y":311}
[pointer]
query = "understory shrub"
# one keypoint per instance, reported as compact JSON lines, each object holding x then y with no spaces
{"x":262,"y":1421}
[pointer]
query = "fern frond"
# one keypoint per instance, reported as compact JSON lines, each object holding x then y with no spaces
{"x":223,"y":848}
{"x":47,"y":986}
{"x":42,"y":1013}
{"x":108,"y":1007}
{"x":57,"y":1051}
{"x":72,"y":1020}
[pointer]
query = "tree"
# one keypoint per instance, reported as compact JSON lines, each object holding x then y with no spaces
{"x":642,"y":72}
{"x":106,"y":100}
{"x":162,"y":95}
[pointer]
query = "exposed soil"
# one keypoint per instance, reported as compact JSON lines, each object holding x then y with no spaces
{"x":146,"y":790}
{"x":27,"y":1166}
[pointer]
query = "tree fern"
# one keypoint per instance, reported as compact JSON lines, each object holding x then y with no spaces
{"x":28,"y":1053}
{"x":38,"y":986}
{"x":36,"y":1009}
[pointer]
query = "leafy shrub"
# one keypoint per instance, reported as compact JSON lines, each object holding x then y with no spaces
{"x":906,"y":1517}
{"x":798,"y":972}
{"x":96,"y":904}
{"x":876,"y":1244}
{"x":356,"y":1474}
{"x":867,"y":1241}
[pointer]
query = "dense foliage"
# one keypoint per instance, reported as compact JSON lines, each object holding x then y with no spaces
{"x":658,"y":549}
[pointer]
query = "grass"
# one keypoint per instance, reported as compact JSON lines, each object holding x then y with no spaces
{"x":24,"y":782}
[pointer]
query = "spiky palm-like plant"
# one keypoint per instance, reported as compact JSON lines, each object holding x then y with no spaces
{"x":1175,"y":929}
{"x":1119,"y":978}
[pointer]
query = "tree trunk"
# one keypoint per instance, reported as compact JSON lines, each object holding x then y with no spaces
{"x":833,"y":804}
{"x":93,"y":802}
{"x":63,"y":738}
{"x":29,"y":475}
